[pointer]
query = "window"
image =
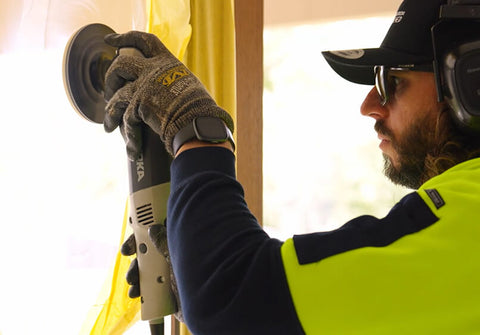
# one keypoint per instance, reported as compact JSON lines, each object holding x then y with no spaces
{"x":322,"y":165}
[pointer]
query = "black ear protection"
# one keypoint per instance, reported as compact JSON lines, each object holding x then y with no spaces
{"x":456,"y":45}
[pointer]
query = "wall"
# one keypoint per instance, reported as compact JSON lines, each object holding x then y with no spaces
{"x":290,"y":12}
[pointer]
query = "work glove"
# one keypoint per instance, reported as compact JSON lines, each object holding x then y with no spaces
{"x":158,"y":235}
{"x":156,"y":89}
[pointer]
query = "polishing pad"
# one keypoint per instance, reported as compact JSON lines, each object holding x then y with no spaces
{"x":85,"y":62}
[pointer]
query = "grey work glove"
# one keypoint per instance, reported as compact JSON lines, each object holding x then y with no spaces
{"x":158,"y":235}
{"x":157,"y":90}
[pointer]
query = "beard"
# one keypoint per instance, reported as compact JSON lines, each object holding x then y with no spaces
{"x":412,"y":149}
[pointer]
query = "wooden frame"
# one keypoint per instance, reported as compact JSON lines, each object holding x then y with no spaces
{"x":249,"y":62}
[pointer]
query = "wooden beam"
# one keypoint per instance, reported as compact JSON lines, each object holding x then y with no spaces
{"x":249,"y":64}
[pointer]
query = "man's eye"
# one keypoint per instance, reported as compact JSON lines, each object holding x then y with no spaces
{"x":393,"y":82}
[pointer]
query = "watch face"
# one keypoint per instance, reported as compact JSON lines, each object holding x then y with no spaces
{"x":210,"y":129}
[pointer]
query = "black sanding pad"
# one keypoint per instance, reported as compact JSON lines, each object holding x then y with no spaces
{"x":85,"y":61}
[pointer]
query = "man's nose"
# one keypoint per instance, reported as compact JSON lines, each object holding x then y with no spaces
{"x":372,"y":106}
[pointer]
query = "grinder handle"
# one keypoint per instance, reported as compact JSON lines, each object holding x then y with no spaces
{"x":157,"y":298}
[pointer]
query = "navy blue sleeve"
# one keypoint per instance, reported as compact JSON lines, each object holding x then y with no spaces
{"x":410,"y":215}
{"x":229,"y":272}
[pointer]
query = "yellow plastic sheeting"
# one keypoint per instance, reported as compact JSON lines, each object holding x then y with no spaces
{"x":211,"y":52}
{"x":168,"y":19}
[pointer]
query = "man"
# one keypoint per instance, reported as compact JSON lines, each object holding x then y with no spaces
{"x":414,"y":271}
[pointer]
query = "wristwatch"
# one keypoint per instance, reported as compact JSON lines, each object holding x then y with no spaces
{"x":206,"y":129}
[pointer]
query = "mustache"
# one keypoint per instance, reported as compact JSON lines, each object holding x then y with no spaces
{"x":382,"y":129}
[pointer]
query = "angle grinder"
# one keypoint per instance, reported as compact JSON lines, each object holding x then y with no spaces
{"x":86,"y":60}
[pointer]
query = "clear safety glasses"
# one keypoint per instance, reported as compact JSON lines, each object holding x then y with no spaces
{"x":386,"y":83}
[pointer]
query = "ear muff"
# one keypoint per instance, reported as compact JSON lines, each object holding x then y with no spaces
{"x":456,"y":43}
{"x":461,"y":73}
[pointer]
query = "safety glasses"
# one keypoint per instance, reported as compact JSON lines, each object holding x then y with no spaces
{"x":386,"y":83}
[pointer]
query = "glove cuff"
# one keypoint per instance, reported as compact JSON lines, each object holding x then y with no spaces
{"x":185,"y":120}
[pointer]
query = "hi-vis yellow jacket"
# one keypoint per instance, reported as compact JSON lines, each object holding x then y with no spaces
{"x":415,"y":271}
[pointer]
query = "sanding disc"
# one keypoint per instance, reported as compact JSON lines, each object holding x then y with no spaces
{"x":86,"y":59}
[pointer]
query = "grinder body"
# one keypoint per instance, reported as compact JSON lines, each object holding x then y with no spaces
{"x":86,"y":60}
{"x":149,"y":190}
